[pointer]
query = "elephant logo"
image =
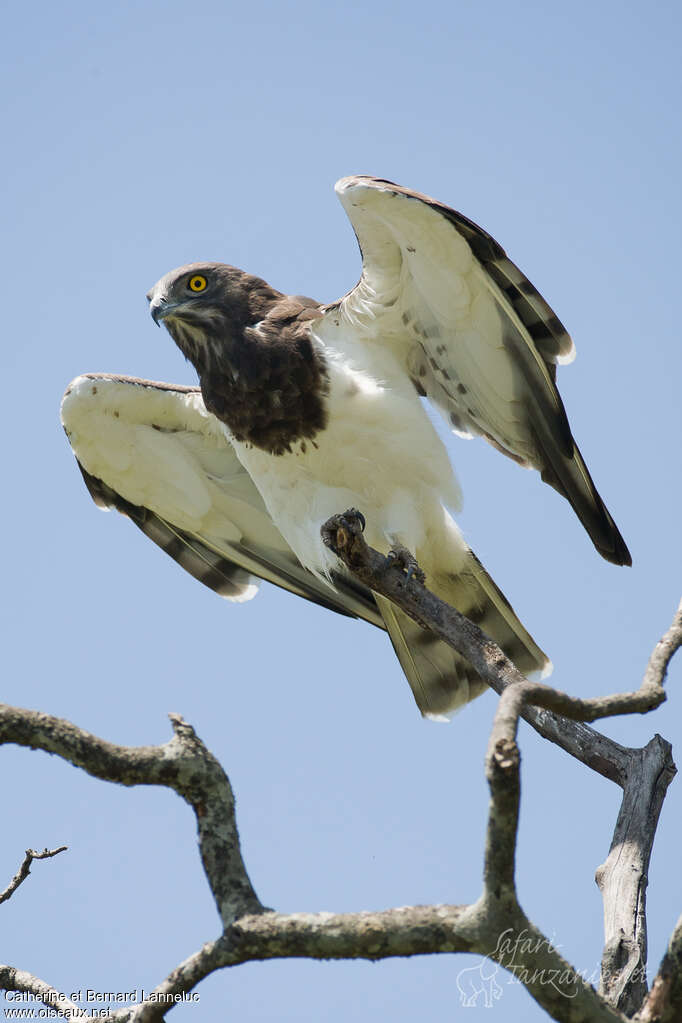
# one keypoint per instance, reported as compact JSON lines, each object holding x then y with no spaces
{"x":474,"y":981}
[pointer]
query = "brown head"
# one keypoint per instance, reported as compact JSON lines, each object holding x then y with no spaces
{"x":259,"y":369}
{"x":207,"y":307}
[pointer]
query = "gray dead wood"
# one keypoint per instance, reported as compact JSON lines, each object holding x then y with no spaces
{"x":251,"y":932}
{"x":643,"y":774}
{"x":494,"y":926}
{"x":25,"y":869}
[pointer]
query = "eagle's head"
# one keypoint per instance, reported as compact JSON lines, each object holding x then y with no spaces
{"x":207,"y":306}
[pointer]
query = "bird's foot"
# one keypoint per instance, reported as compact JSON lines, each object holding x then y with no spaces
{"x":338,"y":531}
{"x":404,"y":559}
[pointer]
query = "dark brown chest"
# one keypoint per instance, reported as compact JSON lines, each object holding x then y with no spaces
{"x":270,"y":391}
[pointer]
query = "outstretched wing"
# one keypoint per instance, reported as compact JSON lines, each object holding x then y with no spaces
{"x":472,"y":332}
{"x":154,"y":453}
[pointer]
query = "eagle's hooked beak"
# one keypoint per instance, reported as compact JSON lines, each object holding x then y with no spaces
{"x":159,"y":308}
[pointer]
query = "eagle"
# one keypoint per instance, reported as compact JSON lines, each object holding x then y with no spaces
{"x":305,"y":409}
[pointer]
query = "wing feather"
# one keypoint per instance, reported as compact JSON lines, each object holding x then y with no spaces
{"x":474,"y":335}
{"x":154,"y":453}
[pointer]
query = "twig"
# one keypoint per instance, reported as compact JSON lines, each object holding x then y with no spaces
{"x":25,"y":869}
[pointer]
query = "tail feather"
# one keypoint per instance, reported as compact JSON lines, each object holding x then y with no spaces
{"x":441,"y":679}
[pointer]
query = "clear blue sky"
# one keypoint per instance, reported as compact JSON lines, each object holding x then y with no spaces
{"x":139,"y":136}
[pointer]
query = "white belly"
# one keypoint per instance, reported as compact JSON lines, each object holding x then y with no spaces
{"x":379,"y":453}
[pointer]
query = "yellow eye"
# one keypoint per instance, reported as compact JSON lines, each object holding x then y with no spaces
{"x":197,"y":283}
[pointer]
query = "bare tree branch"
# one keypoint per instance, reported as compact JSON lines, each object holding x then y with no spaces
{"x":511,"y":941}
{"x":644,"y":774}
{"x":492,"y":927}
{"x":586,"y":744}
{"x":495,"y":926}
{"x":183,"y":764}
{"x":343,"y":535}
{"x":664,"y":1002}
{"x":25,"y":869}
{"x":503,"y":763}
{"x":12,"y":979}
{"x":177,"y":984}
{"x":623,"y":878}
{"x":667,"y":645}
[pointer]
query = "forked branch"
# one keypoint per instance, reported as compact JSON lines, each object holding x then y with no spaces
{"x":643,"y":774}
{"x":25,"y":869}
{"x":494,"y":926}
